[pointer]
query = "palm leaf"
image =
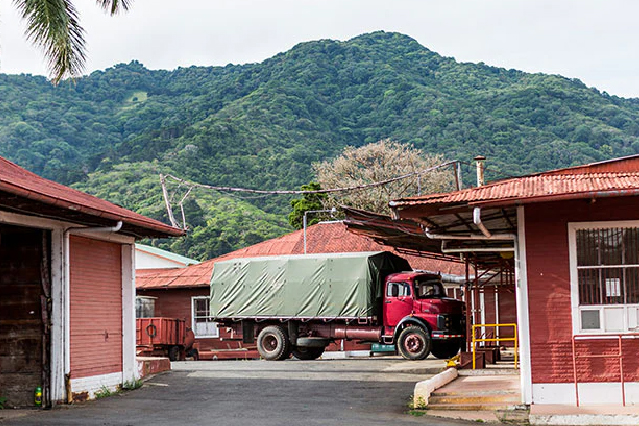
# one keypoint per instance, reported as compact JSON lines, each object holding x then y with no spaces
{"x":114,"y":6}
{"x":54,"y":26}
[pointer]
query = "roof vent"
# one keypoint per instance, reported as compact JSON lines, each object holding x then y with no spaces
{"x":480,"y":169}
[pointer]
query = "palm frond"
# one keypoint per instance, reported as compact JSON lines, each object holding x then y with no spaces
{"x":114,"y":6}
{"x":54,"y":26}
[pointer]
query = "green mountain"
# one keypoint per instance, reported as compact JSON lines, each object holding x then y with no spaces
{"x":262,"y":125}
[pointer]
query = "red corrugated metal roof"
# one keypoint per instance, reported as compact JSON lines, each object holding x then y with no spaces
{"x":330,"y":237}
{"x":619,"y":178}
{"x":18,"y":181}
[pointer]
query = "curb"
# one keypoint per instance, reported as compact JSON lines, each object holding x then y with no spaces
{"x":424,"y":389}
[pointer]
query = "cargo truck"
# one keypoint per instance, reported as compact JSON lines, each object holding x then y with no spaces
{"x":299,"y":304}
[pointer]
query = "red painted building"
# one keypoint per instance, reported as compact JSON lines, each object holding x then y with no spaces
{"x":183,"y":293}
{"x":574,"y":235}
{"x":67,"y":321}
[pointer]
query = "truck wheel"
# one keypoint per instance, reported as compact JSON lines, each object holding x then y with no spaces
{"x":304,"y":353}
{"x":446,"y":349}
{"x":414,"y":343}
{"x":273,"y":343}
{"x":174,"y":353}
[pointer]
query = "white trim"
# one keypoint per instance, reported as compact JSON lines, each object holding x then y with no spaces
{"x":33,"y":221}
{"x":91,"y":384}
{"x":67,"y":305}
{"x":523,"y":312}
{"x":129,"y":364}
{"x":57,"y":390}
{"x":576,"y":309}
{"x":590,"y":394}
{"x":193,"y":327}
{"x":44,"y":223}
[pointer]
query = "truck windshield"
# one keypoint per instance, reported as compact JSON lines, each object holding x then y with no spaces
{"x":427,"y":287}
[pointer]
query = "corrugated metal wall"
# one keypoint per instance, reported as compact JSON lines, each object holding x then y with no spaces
{"x":96,"y":307}
{"x":21,"y":330}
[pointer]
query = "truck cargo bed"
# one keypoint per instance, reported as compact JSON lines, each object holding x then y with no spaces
{"x":327,"y":286}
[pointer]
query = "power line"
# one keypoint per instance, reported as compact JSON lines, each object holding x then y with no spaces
{"x":301,"y":192}
{"x":192,"y":185}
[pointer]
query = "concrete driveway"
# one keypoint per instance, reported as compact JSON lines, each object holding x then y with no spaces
{"x":358,"y":392}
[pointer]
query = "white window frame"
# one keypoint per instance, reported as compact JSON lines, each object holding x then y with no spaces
{"x":576,"y":309}
{"x":193,"y":327}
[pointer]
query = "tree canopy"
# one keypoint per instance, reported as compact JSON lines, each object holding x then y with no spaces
{"x":379,"y":162}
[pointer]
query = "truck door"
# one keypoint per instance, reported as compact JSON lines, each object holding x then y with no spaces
{"x":398,"y":303}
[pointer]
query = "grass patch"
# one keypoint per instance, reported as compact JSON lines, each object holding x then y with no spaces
{"x":132,"y":384}
{"x":417,"y":413}
{"x":3,"y":400}
{"x":103,"y":392}
{"x":134,"y":99}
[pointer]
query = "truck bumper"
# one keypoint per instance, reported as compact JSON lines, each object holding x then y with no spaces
{"x":445,"y":336}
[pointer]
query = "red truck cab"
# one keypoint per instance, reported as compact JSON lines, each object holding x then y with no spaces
{"x":419,"y":318}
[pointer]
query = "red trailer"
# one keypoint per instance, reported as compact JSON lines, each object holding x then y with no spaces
{"x":168,"y":337}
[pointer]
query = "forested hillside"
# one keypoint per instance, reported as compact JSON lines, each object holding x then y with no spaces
{"x":262,"y":125}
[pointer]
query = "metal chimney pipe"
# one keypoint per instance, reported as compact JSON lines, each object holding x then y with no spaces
{"x":480,"y":169}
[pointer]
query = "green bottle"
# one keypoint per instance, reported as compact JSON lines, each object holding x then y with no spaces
{"x":38,"y":396}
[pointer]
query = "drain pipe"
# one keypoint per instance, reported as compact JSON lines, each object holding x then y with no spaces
{"x":476,"y":249}
{"x":496,"y":237}
{"x":477,"y":221}
{"x":67,"y":295}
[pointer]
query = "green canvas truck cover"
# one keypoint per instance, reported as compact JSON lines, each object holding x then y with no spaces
{"x":326,"y":285}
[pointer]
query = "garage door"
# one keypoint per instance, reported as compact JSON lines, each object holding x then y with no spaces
{"x":96,"y":307}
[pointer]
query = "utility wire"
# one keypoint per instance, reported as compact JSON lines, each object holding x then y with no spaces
{"x":301,"y":192}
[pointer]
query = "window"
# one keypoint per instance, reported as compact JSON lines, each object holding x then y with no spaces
{"x":605,"y":277}
{"x":401,"y":289}
{"x":203,"y":325}
{"x":145,"y":306}
{"x":426,"y":288}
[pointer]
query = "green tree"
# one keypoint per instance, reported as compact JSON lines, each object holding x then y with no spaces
{"x":54,"y":26}
{"x":304,"y":204}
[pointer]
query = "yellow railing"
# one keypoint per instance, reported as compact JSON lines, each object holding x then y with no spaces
{"x":499,"y":339}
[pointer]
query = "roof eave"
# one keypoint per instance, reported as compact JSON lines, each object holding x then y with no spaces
{"x":160,"y":229}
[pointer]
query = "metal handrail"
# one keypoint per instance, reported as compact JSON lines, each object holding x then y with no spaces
{"x":618,"y":355}
{"x":498,"y":339}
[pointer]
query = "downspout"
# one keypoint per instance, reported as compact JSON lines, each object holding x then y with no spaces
{"x":477,"y":221}
{"x":67,"y":295}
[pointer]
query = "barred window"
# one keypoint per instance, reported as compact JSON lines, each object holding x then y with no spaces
{"x":607,"y":278}
{"x":203,"y":324}
{"x":608,"y":266}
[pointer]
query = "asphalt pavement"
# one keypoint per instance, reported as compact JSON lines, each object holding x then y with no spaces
{"x":354,"y":392}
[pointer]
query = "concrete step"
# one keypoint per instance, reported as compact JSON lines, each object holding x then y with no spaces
{"x":472,"y":407}
{"x":487,"y":392}
{"x":466,"y":400}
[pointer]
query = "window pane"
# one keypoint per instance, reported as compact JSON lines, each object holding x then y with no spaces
{"x":632,"y":285}
{"x":590,"y":320}
{"x":587,"y":247}
{"x":612,"y":285}
{"x":611,"y":246}
{"x":201,"y":307}
{"x":631,"y":248}
{"x":589,"y":287}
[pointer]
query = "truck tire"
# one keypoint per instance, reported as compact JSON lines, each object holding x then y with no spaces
{"x":273,"y":343}
{"x":304,"y":353}
{"x":414,"y":343}
{"x":174,"y":353}
{"x":446,"y":349}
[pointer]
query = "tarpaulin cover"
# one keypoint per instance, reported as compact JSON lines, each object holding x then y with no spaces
{"x":327,"y":285}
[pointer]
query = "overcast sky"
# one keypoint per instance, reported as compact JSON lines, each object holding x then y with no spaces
{"x":593,"y":40}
